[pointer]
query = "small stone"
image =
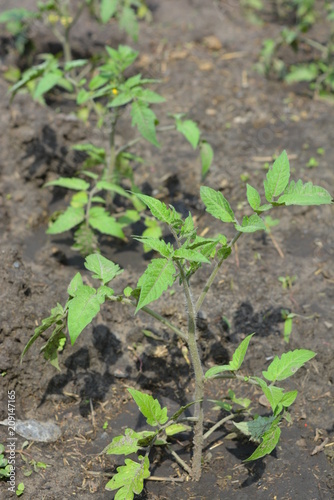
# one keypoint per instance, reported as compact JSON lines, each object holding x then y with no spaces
{"x":212,"y":42}
{"x":16,"y":264}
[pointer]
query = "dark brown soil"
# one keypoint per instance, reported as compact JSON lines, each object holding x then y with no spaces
{"x":247,"y":119}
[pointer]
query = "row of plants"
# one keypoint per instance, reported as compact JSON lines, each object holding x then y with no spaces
{"x":103,"y":92}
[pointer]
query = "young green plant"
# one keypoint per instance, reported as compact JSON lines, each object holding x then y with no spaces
{"x":177,"y":263}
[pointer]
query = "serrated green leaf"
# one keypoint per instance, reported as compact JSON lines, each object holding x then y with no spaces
{"x":173,"y":429}
{"x":121,"y":99}
{"x":56,"y":315}
{"x":157,"y":208}
{"x":100,"y":219}
{"x":158,"y":276}
{"x":277,"y":177}
{"x":190,"y":255}
{"x":104,"y":269}
{"x":54,"y":345}
{"x":289,"y":398}
{"x":206,"y":153}
{"x":124,"y":445}
{"x":79,"y":199}
{"x":115,"y":188}
{"x":165,"y":249}
{"x":67,"y":220}
{"x":290,"y":362}
{"x":129,"y":479}
{"x":272,"y":393}
{"x":151,"y":97}
{"x":256,"y":428}
{"x":77,"y":63}
{"x":82,"y":309}
{"x":46,"y":83}
{"x":236,"y":361}
{"x":144,"y":118}
{"x":253,"y":197}
{"x":108,"y":9}
{"x":86,"y":241}
{"x":251,"y":224}
{"x":183,"y":409}
{"x":69,"y":183}
{"x":128,"y":22}
{"x":76,"y":282}
{"x":190,"y":131}
{"x":150,"y":408}
{"x":215,"y":370}
{"x":216,"y":204}
{"x":269,"y":442}
{"x":305,"y":194}
{"x":240,"y":353}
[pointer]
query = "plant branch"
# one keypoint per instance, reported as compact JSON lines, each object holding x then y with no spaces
{"x":152,"y":313}
{"x":214,"y":273}
{"x":140,"y":138}
{"x":179,"y":460}
{"x":217,"y":425}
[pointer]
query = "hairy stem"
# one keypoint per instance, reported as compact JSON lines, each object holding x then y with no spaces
{"x":214,"y":274}
{"x":179,"y":460}
{"x":199,"y":378}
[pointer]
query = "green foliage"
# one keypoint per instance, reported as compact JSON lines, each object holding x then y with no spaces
{"x":129,"y":479}
{"x":5,"y":468}
{"x":181,"y":260}
{"x":150,"y":408}
{"x":317,"y":69}
{"x":289,"y":363}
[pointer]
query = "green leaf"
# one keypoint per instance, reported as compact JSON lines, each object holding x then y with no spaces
{"x":124,"y":445}
{"x":206,"y":153}
{"x":104,"y":269}
{"x":157,"y":208}
{"x":287,"y":329}
{"x":253,"y":197}
{"x":77,"y":63}
{"x":190,"y":131}
{"x":216,"y":204}
{"x":240,"y":353}
{"x":67,"y":220}
{"x":190,"y":255}
{"x":158,"y":276}
{"x":236,"y":361}
{"x":289,"y":398}
{"x":251,"y":224}
{"x":151,"y":97}
{"x":100,"y":219}
{"x":144,"y":118}
{"x":165,"y":249}
{"x":115,"y":188}
{"x":269,"y":442}
{"x":183,"y":409}
{"x":128,"y":22}
{"x":129,"y":479}
{"x":108,"y":9}
{"x":302,"y":73}
{"x":256,"y":428}
{"x":121,"y":99}
{"x":176,"y":429}
{"x":290,"y":362}
{"x":69,"y":183}
{"x":86,"y":241}
{"x":56,"y":315}
{"x":304,"y":194}
{"x":272,"y":393}
{"x":150,"y":408}
{"x":47,"y":82}
{"x":54,"y":345}
{"x":82,"y":309}
{"x":277,"y":177}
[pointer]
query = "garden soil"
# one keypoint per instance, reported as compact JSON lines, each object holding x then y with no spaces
{"x":203,"y":53}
